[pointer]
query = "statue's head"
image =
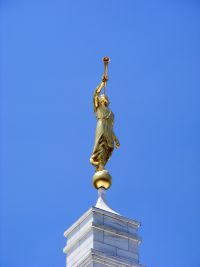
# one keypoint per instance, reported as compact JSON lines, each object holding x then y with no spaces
{"x":104,"y":100}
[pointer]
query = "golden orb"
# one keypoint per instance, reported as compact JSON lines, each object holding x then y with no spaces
{"x":106,"y":59}
{"x":102,"y":179}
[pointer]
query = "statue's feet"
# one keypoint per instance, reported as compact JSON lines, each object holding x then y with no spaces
{"x":93,"y":162}
{"x":99,"y":168}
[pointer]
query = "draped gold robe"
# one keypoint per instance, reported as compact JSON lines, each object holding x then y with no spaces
{"x":104,"y":137}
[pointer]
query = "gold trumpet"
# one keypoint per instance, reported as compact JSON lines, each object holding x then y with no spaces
{"x":106,"y":60}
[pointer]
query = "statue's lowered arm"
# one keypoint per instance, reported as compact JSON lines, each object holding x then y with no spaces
{"x":117,"y":143}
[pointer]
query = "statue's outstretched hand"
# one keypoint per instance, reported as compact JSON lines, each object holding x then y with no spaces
{"x":104,"y":78}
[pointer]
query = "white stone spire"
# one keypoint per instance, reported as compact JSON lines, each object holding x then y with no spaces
{"x":102,"y":238}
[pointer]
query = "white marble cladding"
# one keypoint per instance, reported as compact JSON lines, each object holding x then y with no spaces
{"x":101,"y":238}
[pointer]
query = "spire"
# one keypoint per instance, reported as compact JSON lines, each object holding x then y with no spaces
{"x":102,"y":237}
{"x":101,"y":201}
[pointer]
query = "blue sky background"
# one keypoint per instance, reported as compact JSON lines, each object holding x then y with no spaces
{"x":50,"y":62}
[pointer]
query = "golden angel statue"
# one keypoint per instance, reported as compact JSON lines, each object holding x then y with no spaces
{"x":105,"y":137}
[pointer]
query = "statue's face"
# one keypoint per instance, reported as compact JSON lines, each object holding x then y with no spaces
{"x":104,"y":101}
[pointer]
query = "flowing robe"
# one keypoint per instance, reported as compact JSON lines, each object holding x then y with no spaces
{"x":104,"y":138}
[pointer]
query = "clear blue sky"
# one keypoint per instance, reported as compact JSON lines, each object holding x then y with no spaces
{"x":50,"y":62}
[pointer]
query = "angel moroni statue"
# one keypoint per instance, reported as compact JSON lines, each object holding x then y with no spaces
{"x":105,"y":138}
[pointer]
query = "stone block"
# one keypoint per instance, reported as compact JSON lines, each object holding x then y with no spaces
{"x":107,"y":249}
{"x":115,"y":240}
{"x":98,"y":235}
{"x":132,"y":246}
{"x":115,"y":224}
{"x":132,"y":229}
{"x":98,"y":218}
{"x":127,"y":254}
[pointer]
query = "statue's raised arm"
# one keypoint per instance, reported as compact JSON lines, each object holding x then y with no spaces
{"x":96,"y":95}
{"x":104,"y":137}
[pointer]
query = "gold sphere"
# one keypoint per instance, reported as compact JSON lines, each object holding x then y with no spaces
{"x":106,"y":59}
{"x":102,"y":179}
